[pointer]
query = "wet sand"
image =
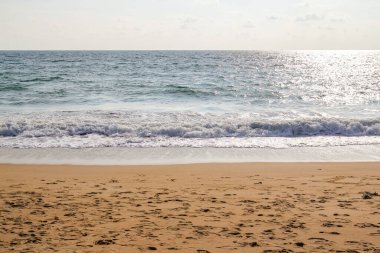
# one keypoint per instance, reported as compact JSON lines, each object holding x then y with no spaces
{"x":258,"y":207}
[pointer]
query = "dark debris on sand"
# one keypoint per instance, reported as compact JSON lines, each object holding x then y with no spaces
{"x":104,"y":242}
{"x":369,"y":195}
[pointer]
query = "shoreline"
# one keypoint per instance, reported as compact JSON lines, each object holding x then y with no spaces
{"x":172,"y":155}
{"x":225,"y":207}
{"x":255,"y":165}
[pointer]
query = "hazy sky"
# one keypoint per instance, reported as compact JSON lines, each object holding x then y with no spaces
{"x":189,"y":24}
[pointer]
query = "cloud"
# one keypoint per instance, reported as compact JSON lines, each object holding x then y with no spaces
{"x":189,"y":20}
{"x":206,"y":2}
{"x":273,"y":18}
{"x":187,"y":23}
{"x":304,"y":4}
{"x":329,"y":28}
{"x":249,"y":25}
{"x":309,"y":18}
{"x":337,"y":20}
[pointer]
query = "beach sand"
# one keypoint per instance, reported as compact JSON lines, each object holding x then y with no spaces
{"x":258,"y":207}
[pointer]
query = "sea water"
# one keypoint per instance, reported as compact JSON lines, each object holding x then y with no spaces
{"x":202,"y":99}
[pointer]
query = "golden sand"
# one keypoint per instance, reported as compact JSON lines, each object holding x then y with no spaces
{"x":259,"y":207}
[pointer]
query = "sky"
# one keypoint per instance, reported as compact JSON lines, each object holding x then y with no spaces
{"x":189,"y":24}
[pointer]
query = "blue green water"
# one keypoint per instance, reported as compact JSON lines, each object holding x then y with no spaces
{"x":189,"y":98}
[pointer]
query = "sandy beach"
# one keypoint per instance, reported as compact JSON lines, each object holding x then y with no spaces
{"x":257,"y":207}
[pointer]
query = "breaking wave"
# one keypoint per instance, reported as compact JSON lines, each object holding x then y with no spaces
{"x":191,"y":125}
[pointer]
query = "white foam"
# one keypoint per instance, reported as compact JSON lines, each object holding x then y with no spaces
{"x":92,"y":129}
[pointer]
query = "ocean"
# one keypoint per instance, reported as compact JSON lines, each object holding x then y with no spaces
{"x":192,"y":99}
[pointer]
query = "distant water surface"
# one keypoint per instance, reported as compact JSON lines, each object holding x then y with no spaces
{"x":281,"y":99}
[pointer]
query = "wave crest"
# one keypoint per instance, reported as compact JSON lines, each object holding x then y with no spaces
{"x":194,"y":129}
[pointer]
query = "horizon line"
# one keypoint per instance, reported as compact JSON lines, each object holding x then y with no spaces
{"x":2,"y":50}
